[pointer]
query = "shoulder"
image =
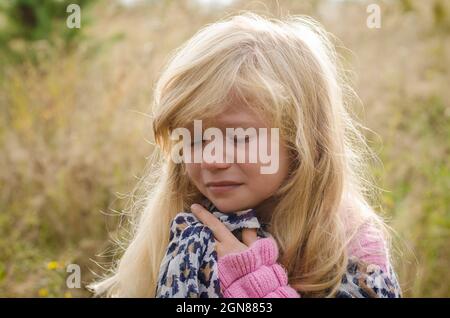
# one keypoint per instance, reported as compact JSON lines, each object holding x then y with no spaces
{"x":363,"y":280}
{"x":368,"y":240}
{"x":370,"y":246}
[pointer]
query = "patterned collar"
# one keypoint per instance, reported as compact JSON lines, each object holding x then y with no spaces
{"x":238,"y":220}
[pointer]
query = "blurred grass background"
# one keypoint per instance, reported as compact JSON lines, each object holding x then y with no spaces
{"x":74,"y":131}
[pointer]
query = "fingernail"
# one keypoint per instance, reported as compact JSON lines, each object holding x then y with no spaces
{"x":194,"y":207}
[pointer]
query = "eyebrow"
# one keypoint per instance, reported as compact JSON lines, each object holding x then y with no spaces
{"x":229,"y":123}
{"x":236,"y":123}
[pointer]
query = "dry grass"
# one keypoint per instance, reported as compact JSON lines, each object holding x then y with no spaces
{"x":74,"y":134}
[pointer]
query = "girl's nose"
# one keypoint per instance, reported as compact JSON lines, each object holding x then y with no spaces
{"x":215,"y":165}
{"x":215,"y":162}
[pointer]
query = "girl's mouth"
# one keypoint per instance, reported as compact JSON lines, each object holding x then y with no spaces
{"x":223,"y":186}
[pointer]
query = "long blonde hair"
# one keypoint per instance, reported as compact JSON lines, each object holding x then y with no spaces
{"x":287,"y":69}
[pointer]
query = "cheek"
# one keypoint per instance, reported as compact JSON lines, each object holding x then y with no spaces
{"x":264,"y":185}
{"x":259,"y":186}
{"x":193,"y":171}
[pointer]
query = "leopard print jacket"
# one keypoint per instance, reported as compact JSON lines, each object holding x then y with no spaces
{"x":189,"y":268}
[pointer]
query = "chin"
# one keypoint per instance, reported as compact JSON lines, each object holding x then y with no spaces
{"x":228,"y":205}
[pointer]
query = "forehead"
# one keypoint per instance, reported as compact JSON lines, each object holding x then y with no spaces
{"x":237,"y":115}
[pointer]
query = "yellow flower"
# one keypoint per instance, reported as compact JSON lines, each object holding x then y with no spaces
{"x":43,"y":292}
{"x":52,"y":265}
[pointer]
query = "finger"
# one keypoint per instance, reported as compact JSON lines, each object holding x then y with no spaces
{"x":249,"y":236}
{"x":220,"y":231}
{"x":219,"y":249}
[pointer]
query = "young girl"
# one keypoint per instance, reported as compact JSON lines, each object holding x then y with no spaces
{"x":225,"y":229}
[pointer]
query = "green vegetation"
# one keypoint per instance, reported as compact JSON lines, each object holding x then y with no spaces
{"x":74,"y":134}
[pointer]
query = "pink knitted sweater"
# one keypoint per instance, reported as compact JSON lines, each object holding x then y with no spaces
{"x":255,"y":273}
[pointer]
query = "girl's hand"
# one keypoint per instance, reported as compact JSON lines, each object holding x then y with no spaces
{"x":226,"y":242}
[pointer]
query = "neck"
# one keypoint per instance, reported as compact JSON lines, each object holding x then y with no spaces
{"x":265,"y":209}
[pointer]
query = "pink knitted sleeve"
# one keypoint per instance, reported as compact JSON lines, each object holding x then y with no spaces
{"x":370,"y":247}
{"x":254,"y":273}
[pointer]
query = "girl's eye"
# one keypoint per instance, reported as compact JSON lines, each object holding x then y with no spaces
{"x":246,"y":139}
{"x":198,"y":142}
{"x":195,"y":142}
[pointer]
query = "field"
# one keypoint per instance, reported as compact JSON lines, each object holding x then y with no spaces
{"x":75,"y":132}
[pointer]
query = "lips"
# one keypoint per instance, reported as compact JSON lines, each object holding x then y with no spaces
{"x":222,"y":183}
{"x":222,"y":186}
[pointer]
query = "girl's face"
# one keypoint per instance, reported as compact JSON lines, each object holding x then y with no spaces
{"x":237,"y":186}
